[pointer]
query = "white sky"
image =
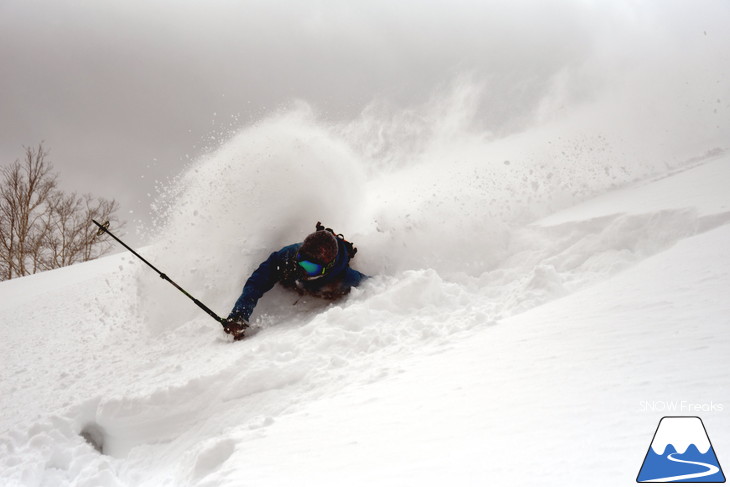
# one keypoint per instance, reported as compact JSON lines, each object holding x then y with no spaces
{"x":123,"y":92}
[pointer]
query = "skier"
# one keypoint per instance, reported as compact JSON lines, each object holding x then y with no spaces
{"x":318,"y":266}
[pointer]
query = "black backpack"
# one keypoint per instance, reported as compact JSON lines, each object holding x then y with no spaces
{"x":351,"y":250}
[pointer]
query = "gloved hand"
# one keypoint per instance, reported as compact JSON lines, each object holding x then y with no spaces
{"x":235,"y":327}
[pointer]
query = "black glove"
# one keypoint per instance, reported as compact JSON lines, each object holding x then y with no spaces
{"x":235,"y":327}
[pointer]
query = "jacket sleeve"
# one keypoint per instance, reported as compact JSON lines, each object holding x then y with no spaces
{"x":261,"y":281}
{"x":353,"y":278}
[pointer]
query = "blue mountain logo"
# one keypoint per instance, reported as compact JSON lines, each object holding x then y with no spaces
{"x":681,"y":452}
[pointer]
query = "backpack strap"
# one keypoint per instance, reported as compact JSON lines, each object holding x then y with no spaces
{"x":351,"y":249}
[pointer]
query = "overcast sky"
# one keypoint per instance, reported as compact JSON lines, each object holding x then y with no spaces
{"x":124,"y":92}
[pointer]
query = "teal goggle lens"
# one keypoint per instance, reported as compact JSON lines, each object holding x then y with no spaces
{"x":311,"y":268}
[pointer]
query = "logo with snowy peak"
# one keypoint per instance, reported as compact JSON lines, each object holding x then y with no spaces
{"x":681,"y":452}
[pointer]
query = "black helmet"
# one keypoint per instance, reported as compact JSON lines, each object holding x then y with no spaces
{"x":319,"y":247}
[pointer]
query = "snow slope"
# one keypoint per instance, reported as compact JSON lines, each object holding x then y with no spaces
{"x":414,"y":379}
{"x":528,"y":356}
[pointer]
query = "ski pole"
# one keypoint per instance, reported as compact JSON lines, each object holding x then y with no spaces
{"x":105,"y":229}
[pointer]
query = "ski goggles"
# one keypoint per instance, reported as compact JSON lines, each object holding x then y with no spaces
{"x":312,"y":269}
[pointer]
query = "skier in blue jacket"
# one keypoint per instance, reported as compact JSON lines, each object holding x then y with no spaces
{"x":319,"y":266}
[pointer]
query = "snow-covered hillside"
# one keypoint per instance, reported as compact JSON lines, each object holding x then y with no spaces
{"x":524,"y":319}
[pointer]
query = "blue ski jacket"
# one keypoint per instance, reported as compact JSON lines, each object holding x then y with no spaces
{"x":281,"y":267}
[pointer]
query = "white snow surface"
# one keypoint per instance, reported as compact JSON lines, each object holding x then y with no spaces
{"x":523,"y":321}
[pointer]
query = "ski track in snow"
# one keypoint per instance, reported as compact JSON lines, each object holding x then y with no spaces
{"x":107,"y":347}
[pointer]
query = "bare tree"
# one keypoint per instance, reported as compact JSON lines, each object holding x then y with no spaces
{"x":70,"y":237}
{"x":41,"y":227}
{"x":24,"y":194}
